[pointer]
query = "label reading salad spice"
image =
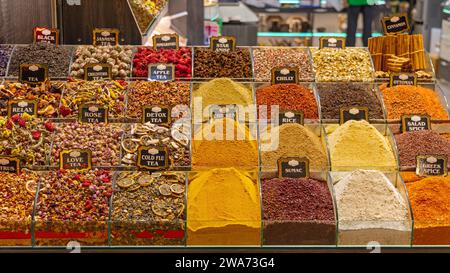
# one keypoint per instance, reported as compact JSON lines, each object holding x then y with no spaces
{"x":431,"y":165}
{"x":105,"y":37}
{"x":284,"y":75}
{"x":80,"y":160}
{"x":353,"y":113}
{"x":166,"y":41}
{"x":90,"y":113}
{"x":96,"y":72}
{"x":223,"y":111}
{"x":161,"y":72}
{"x":22,"y":106}
{"x":156,"y":115}
{"x":46,"y":35}
{"x":402,"y":79}
{"x":291,"y":117}
{"x":293,"y":167}
{"x":332,"y":42}
{"x":9,"y":164}
{"x":33,"y":73}
{"x":153,"y":158}
{"x":223,"y":44}
{"x":395,"y":24}
{"x":412,"y":123}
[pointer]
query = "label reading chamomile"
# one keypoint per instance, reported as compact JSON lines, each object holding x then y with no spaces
{"x":293,"y":167}
{"x":158,"y":115}
{"x":431,"y":165}
{"x":402,"y":79}
{"x":79,"y":160}
{"x":96,"y":72}
{"x":106,"y":37}
{"x":223,"y":111}
{"x":153,"y":158}
{"x":46,"y":35}
{"x":291,"y":117}
{"x":166,"y":41}
{"x":161,"y":72}
{"x":395,"y":24}
{"x":9,"y":164}
{"x":332,"y":42}
{"x":412,"y":123}
{"x":284,"y":75}
{"x":353,"y":113}
{"x":22,"y":106}
{"x":223,"y":44}
{"x":33,"y":73}
{"x":90,"y":113}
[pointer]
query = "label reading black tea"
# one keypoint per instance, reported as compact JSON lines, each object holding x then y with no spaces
{"x":402,"y":79}
{"x":22,"y":106}
{"x":291,"y":117}
{"x":153,"y":158}
{"x":224,"y":111}
{"x":96,"y":72}
{"x":89,"y":113}
{"x":46,"y":35}
{"x":156,"y":115}
{"x":166,"y":41}
{"x":332,"y":42}
{"x":80,"y":160}
{"x":284,"y":75}
{"x":161,"y":72}
{"x":412,"y":123}
{"x":395,"y":24}
{"x":431,"y":165}
{"x":353,"y":113}
{"x":9,"y":164}
{"x":33,"y":73}
{"x":293,"y":167}
{"x":105,"y":37}
{"x":223,"y":44}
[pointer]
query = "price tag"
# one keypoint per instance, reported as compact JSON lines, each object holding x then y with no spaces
{"x":396,"y":24}
{"x":92,"y":113}
{"x":412,"y":123}
{"x":161,"y":72}
{"x":166,"y":41}
{"x":9,"y":164}
{"x":222,"y":111}
{"x":46,"y":35}
{"x":79,"y":160}
{"x":402,"y":79}
{"x":106,"y":37}
{"x":33,"y":73}
{"x":284,"y":75}
{"x":158,"y":115}
{"x":332,"y":42}
{"x":96,"y":72}
{"x":431,"y":165}
{"x":22,"y":106}
{"x":353,"y":113}
{"x":153,"y":158}
{"x":223,"y":44}
{"x":293,"y":167}
{"x":291,"y":117}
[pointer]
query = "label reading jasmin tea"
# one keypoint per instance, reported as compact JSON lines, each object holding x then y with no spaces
{"x":156,"y":115}
{"x":80,"y":160}
{"x":291,"y":117}
{"x":293,"y":167}
{"x":22,"y":106}
{"x":402,"y":79}
{"x":106,"y":37}
{"x":33,"y":73}
{"x":166,"y":41}
{"x":332,"y":42}
{"x":161,"y":72}
{"x":90,"y":113}
{"x":153,"y":158}
{"x":353,"y":113}
{"x":96,"y":72}
{"x":223,"y":44}
{"x":284,"y":75}
{"x":431,"y":165}
{"x":412,"y":123}
{"x":224,"y":111}
{"x":9,"y":164}
{"x":395,"y":24}
{"x":46,"y":35}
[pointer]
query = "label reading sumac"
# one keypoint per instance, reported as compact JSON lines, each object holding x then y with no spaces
{"x":222,"y":111}
{"x":293,"y":167}
{"x":156,"y":115}
{"x":402,"y":79}
{"x":153,"y":158}
{"x":161,"y":72}
{"x":96,"y":72}
{"x":46,"y":35}
{"x":33,"y":73}
{"x":9,"y":164}
{"x":353,"y":113}
{"x":22,"y":106}
{"x":395,"y":24}
{"x":412,"y":123}
{"x":106,"y":37}
{"x":80,"y":160}
{"x":291,"y":117}
{"x":431,"y":165}
{"x":223,"y":44}
{"x":89,"y":113}
{"x":166,"y":41}
{"x":284,"y":75}
{"x":332,"y":42}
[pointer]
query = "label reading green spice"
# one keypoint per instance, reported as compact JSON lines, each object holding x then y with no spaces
{"x":431,"y":165}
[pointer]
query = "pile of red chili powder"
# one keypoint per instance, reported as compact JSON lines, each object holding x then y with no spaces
{"x":181,"y":58}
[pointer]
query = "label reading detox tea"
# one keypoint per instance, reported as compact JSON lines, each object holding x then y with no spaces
{"x":22,"y":106}
{"x":332,"y":42}
{"x":293,"y":167}
{"x":79,"y":160}
{"x":90,"y":113}
{"x":291,"y":117}
{"x":9,"y":164}
{"x":153,"y":158}
{"x":353,"y":113}
{"x":431,"y":165}
{"x":156,"y":115}
{"x":224,"y":111}
{"x":223,"y":44}
{"x":96,"y":72}
{"x":402,"y":79}
{"x":284,"y":75}
{"x":166,"y":41}
{"x":412,"y":123}
{"x":106,"y":37}
{"x":46,"y":35}
{"x":395,"y":24}
{"x":33,"y":73}
{"x":161,"y":72}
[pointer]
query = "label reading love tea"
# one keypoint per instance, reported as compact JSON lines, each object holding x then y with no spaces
{"x":402,"y":79}
{"x":284,"y":75}
{"x":33,"y":73}
{"x":96,"y":72}
{"x":293,"y":167}
{"x":9,"y":164}
{"x":332,"y":42}
{"x":224,"y":111}
{"x":166,"y":41}
{"x":412,"y":123}
{"x":291,"y":117}
{"x":161,"y":72}
{"x":353,"y":113}
{"x":106,"y":37}
{"x":79,"y":160}
{"x":90,"y":113}
{"x":395,"y":24}
{"x":22,"y":106}
{"x":153,"y":158}
{"x":223,"y":44}
{"x":431,"y":165}
{"x":46,"y":35}
{"x":158,"y":115}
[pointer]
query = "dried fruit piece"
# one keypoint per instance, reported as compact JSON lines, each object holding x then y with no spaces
{"x":160,"y":209}
{"x":145,"y":180}
{"x":165,"y":190}
{"x":31,"y":186}
{"x":134,"y":187}
{"x":177,"y":188}
{"x":126,"y":182}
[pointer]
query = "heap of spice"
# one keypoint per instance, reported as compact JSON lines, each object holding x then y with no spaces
{"x":430,"y":204}
{"x":358,"y":144}
{"x":148,"y":209}
{"x":291,"y":97}
{"x":26,"y":137}
{"x":405,"y":99}
{"x":17,"y":198}
{"x":73,"y":206}
{"x":334,"y":96}
{"x":342,"y":65}
{"x":223,"y":208}
{"x":181,"y":58}
{"x":371,"y":208}
{"x":5,"y":54}
{"x":103,"y":140}
{"x":267,"y":58}
{"x":102,"y":93}
{"x":297,"y":212}
{"x":210,"y":64}
{"x":145,"y":11}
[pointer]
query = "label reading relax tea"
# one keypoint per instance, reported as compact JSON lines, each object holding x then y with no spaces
{"x":293,"y":167}
{"x":156,"y":115}
{"x":105,"y":37}
{"x":96,"y":72}
{"x":223,"y":44}
{"x":22,"y":106}
{"x":402,"y":79}
{"x":412,"y":123}
{"x":89,"y":113}
{"x":431,"y":165}
{"x":33,"y":73}
{"x":80,"y":160}
{"x":395,"y":24}
{"x":332,"y":42}
{"x":166,"y":41}
{"x":284,"y":75}
{"x":153,"y":158}
{"x":46,"y":35}
{"x":161,"y":72}
{"x":223,"y":111}
{"x":353,"y":113}
{"x":291,"y":117}
{"x":9,"y":164}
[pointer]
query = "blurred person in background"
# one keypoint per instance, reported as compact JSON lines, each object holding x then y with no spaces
{"x":355,"y":7}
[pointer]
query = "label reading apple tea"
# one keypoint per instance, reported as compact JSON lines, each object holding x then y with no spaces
{"x":412,"y":123}
{"x":395,"y":24}
{"x":158,"y":115}
{"x":166,"y":41}
{"x":353,"y":113}
{"x":284,"y":75}
{"x":96,"y":72}
{"x":22,"y":106}
{"x":223,"y":111}
{"x":153,"y":158}
{"x":161,"y":72}
{"x":91,"y":113}
{"x":431,"y":165}
{"x":402,"y":79}
{"x":106,"y":37}
{"x":293,"y":167}
{"x":46,"y":35}
{"x":291,"y":117}
{"x":79,"y":160}
{"x":33,"y":73}
{"x":223,"y":44}
{"x":332,"y":42}
{"x":9,"y":164}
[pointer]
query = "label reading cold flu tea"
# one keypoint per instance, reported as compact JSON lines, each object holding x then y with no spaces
{"x":46,"y":35}
{"x":291,"y":117}
{"x":33,"y":73}
{"x":332,"y":42}
{"x":80,"y":160}
{"x":166,"y":41}
{"x":90,"y":113}
{"x":105,"y":37}
{"x":9,"y":164}
{"x":402,"y":79}
{"x":156,"y":115}
{"x":223,"y":44}
{"x":153,"y":158}
{"x":353,"y":113}
{"x":293,"y":167}
{"x":22,"y":106}
{"x":223,"y":111}
{"x":161,"y":72}
{"x":96,"y":72}
{"x":431,"y":165}
{"x":395,"y":24}
{"x":284,"y":75}
{"x":412,"y":123}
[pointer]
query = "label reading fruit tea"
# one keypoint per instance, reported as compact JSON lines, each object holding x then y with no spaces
{"x":223,"y":111}
{"x":91,"y":113}
{"x":223,"y":44}
{"x":46,"y":35}
{"x":332,"y":42}
{"x":284,"y":75}
{"x":291,"y":117}
{"x":293,"y":167}
{"x":161,"y":72}
{"x":106,"y":37}
{"x":395,"y":24}
{"x":156,"y":115}
{"x":9,"y":164}
{"x":22,"y":106}
{"x":96,"y":72}
{"x":153,"y":158}
{"x":166,"y":41}
{"x":353,"y":113}
{"x":79,"y":160}
{"x":412,"y":123}
{"x":431,"y":165}
{"x":33,"y":73}
{"x":402,"y":79}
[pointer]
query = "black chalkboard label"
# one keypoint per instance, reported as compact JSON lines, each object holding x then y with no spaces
{"x":33,"y":73}
{"x":291,"y":117}
{"x":153,"y":158}
{"x":106,"y":37}
{"x":80,"y":160}
{"x":22,"y":106}
{"x":222,"y":111}
{"x":293,"y":167}
{"x":402,"y":79}
{"x":161,"y":72}
{"x":332,"y":42}
{"x":353,"y":113}
{"x":156,"y":115}
{"x":431,"y":165}
{"x":395,"y":24}
{"x":284,"y":75}
{"x":46,"y":35}
{"x":223,"y":44}
{"x":92,"y":113}
{"x":412,"y":123}
{"x":166,"y":41}
{"x":96,"y":72}
{"x":9,"y":164}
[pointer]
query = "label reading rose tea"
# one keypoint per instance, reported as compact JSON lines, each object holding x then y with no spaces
{"x":284,"y":75}
{"x":293,"y":167}
{"x":79,"y":160}
{"x":46,"y":35}
{"x":402,"y":79}
{"x":353,"y":113}
{"x":166,"y":41}
{"x":412,"y":123}
{"x":9,"y":164}
{"x":223,"y":44}
{"x":158,"y":115}
{"x":332,"y":42}
{"x":395,"y":24}
{"x":96,"y":72}
{"x":106,"y":37}
{"x":22,"y":106}
{"x":291,"y":117}
{"x":33,"y":73}
{"x":89,"y":113}
{"x":161,"y":72}
{"x":153,"y":158}
{"x":431,"y":165}
{"x":222,"y":111}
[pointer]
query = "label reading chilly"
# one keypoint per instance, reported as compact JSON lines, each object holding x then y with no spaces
{"x":161,"y":72}
{"x":284,"y":75}
{"x":46,"y":35}
{"x":156,"y":115}
{"x":395,"y":24}
{"x":22,"y":106}
{"x":402,"y":79}
{"x":291,"y":117}
{"x":106,"y":37}
{"x":354,"y":113}
{"x":75,"y":160}
{"x":33,"y":73}
{"x":431,"y":165}
{"x":152,"y":158}
{"x":96,"y":72}
{"x":93,"y":114}
{"x":166,"y":41}
{"x":412,"y":123}
{"x":224,"y":111}
{"x":9,"y":164}
{"x":332,"y":42}
{"x":223,"y":44}
{"x":293,"y":167}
